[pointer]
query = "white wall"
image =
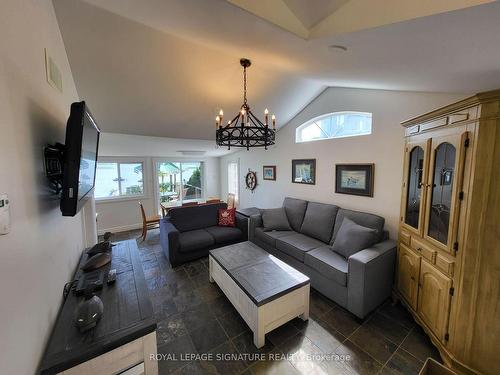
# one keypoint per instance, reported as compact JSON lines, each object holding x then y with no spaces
{"x":123,"y":214}
{"x":384,"y":148}
{"x":40,"y":253}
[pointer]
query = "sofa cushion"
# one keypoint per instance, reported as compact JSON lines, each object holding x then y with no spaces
{"x":295,"y":210}
{"x":318,"y":221}
{"x":195,"y":217}
{"x":225,"y":234}
{"x":352,"y":238}
{"x":328,"y":263}
{"x":271,"y":236}
{"x":297,"y":244}
{"x":361,"y":218}
{"x":275,"y":219}
{"x":195,"y":240}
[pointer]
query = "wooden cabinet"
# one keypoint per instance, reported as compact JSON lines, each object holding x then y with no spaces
{"x":449,"y":250}
{"x":409,"y":270}
{"x":434,"y":299}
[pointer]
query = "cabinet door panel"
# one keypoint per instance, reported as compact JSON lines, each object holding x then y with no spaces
{"x":408,"y":271}
{"x":444,"y":182}
{"x":434,"y":299}
{"x":415,"y":176}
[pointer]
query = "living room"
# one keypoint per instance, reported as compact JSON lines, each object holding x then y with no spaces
{"x":282,"y":187}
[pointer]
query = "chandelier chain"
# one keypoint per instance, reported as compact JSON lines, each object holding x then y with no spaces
{"x":245,"y":85}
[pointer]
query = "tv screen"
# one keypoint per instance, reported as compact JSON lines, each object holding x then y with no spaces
{"x":80,"y":159}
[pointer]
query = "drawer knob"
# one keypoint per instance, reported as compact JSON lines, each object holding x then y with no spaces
{"x":419,"y":249}
{"x":413,"y":278}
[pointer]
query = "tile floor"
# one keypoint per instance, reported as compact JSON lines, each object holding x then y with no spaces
{"x":194,"y":317}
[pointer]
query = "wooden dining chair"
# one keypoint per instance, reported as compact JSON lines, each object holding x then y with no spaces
{"x":148,"y":222}
{"x":231,"y":200}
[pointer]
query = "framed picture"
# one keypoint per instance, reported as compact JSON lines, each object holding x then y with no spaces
{"x":304,"y":171}
{"x":269,"y":172}
{"x":354,"y":179}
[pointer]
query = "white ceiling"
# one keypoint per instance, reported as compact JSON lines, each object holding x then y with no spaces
{"x":164,"y":68}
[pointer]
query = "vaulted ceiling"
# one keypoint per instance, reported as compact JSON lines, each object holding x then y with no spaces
{"x":165,"y":67}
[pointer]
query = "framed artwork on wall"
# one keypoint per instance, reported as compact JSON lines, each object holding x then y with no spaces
{"x":354,"y":179}
{"x":269,"y":172}
{"x":304,"y":171}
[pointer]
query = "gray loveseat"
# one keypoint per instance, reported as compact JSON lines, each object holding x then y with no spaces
{"x":359,"y":283}
{"x":188,"y":233}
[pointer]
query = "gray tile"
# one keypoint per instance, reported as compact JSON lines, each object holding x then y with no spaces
{"x":220,"y":305}
{"x":244,"y":345}
{"x":387,"y":327}
{"x":196,"y":316}
{"x":302,"y":353}
{"x":419,"y":345}
{"x":323,"y":335}
{"x":174,"y":351}
{"x":373,"y":343}
{"x":169,"y":329}
{"x":355,"y":361}
{"x":403,"y":362}
{"x":397,"y":313}
{"x":225,"y":360}
{"x":233,"y":324}
{"x":209,"y":291}
{"x":273,"y":367}
{"x":208,"y":336}
{"x":188,"y":301}
{"x":342,"y":320}
{"x":282,"y":333}
{"x":319,"y":304}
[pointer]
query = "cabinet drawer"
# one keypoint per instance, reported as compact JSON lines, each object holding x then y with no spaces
{"x":404,"y":237}
{"x":445,"y":265}
{"x":423,"y":249}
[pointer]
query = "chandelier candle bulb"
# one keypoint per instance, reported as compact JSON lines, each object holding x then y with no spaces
{"x":221,"y":115}
{"x":217,"y":121}
{"x":273,"y":117}
{"x":266,"y":115}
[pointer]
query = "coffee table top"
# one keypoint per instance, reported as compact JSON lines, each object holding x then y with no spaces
{"x":262,"y":276}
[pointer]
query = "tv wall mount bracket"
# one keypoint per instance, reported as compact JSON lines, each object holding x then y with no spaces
{"x":53,"y":165}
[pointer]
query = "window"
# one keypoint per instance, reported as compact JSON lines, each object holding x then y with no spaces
{"x":232,"y":179}
{"x":335,"y":125}
{"x":115,"y":179}
{"x":179,"y":181}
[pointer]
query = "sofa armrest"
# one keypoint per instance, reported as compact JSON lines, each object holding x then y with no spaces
{"x":242,"y":224}
{"x":169,"y":240}
{"x":370,"y":277}
{"x":254,"y":221}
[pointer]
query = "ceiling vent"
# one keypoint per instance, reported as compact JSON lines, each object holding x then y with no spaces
{"x":192,"y":152}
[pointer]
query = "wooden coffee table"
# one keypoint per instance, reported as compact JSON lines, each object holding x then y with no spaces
{"x":266,"y":291}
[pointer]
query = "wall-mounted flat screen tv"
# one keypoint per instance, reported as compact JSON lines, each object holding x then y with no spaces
{"x":80,"y":159}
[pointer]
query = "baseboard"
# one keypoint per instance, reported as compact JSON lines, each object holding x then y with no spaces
{"x":122,"y":228}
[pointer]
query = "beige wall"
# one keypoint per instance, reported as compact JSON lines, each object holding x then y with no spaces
{"x":123,"y":214}
{"x":384,"y":148}
{"x":40,"y":253}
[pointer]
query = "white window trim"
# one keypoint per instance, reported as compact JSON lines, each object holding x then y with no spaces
{"x":309,"y":122}
{"x":237,"y":161}
{"x":121,"y":198}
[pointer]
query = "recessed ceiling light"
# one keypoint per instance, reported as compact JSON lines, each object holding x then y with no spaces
{"x":338,"y":47}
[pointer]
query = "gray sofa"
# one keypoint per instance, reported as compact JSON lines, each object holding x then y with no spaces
{"x":188,"y":233}
{"x":359,"y":283}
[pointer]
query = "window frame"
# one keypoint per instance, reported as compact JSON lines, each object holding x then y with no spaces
{"x":125,"y":197}
{"x":326,"y":115}
{"x":237,"y":162}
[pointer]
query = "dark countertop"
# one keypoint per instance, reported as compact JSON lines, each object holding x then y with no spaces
{"x":128,"y":314}
{"x":262,"y":276}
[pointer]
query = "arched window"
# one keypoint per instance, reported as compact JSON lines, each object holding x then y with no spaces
{"x":335,"y":125}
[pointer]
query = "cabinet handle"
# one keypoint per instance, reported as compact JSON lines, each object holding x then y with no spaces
{"x":413,"y":278}
{"x":419,"y":249}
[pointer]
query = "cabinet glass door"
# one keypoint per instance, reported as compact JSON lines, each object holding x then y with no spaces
{"x":414,"y":184}
{"x":443,"y":186}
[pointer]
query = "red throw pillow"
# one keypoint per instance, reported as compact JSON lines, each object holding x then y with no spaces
{"x":227,"y":217}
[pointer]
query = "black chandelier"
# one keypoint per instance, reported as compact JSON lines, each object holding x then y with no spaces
{"x":245,"y":129}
